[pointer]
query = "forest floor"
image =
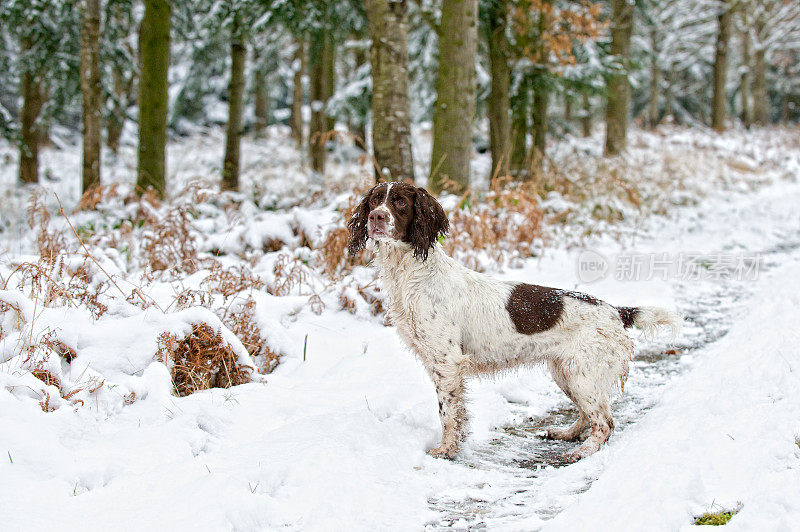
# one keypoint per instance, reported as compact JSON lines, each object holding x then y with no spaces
{"x":331,"y":431}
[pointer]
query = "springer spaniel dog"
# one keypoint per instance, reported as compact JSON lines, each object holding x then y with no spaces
{"x":462,"y":323}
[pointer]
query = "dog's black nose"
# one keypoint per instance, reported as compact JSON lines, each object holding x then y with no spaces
{"x":377,"y":216}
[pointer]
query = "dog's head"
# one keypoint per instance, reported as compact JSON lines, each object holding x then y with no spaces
{"x":398,"y":212}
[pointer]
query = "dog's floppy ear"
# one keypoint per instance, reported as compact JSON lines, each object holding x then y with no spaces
{"x":429,"y":222}
{"x":357,"y":225}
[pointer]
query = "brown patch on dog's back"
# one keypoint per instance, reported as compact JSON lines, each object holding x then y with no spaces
{"x":534,"y":309}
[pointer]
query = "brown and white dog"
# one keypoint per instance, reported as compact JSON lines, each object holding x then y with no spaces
{"x":462,"y":323}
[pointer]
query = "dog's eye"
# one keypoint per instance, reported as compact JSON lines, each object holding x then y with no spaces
{"x":400,"y":202}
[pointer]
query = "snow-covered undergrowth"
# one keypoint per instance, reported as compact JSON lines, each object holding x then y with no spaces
{"x":312,"y":403}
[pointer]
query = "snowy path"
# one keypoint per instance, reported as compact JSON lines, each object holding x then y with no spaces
{"x":537,"y":484}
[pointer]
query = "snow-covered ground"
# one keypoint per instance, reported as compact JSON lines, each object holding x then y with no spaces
{"x":704,"y":429}
{"x":723,"y":436}
{"x":335,"y":437}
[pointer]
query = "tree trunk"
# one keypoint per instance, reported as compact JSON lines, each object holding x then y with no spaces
{"x":296,"y":116}
{"x":719,"y":100}
{"x":91,"y":92}
{"x":540,"y":102}
{"x":329,"y":68}
{"x":391,"y":120}
{"x":261,"y":104}
{"x":122,"y":85}
{"x":586,"y":118}
{"x":154,"y":57}
{"x":30,"y":133}
{"x":519,"y":130}
{"x":760,"y":96}
{"x":785,"y":101}
{"x":655,"y":80}
{"x":45,"y":123}
{"x":567,"y":110}
{"x":260,"y":99}
{"x":454,"y":110}
{"x":233,"y":137}
{"x":357,"y":120}
{"x":744,"y":84}
{"x":499,"y":100}
{"x":669,"y":95}
{"x":541,"y":99}
{"x":618,"y":84}
{"x":319,"y":61}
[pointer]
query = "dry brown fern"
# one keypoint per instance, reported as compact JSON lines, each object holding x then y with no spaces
{"x":231,"y":281}
{"x":96,"y":195}
{"x":335,"y":260}
{"x":289,"y":273}
{"x":243,"y":324}
{"x":200,"y":360}
{"x":49,"y":243}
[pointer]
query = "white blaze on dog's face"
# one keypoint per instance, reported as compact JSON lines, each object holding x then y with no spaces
{"x":391,"y":211}
{"x":381,"y":222}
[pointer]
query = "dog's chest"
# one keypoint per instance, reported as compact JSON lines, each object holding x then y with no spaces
{"x":413,"y":311}
{"x":403,"y":308}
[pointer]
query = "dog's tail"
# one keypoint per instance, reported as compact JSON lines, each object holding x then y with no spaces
{"x":650,"y":319}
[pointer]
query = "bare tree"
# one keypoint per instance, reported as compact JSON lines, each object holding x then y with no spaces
{"x":586,"y":115}
{"x":520,"y":107}
{"x":119,"y":23}
{"x":296,"y":111}
{"x":618,"y":84}
{"x":33,"y":97}
{"x":91,"y":92}
{"x":154,"y":55}
{"x":391,"y":120}
{"x":260,"y":97}
{"x":541,"y":98}
{"x":745,"y":77}
{"x":773,"y":26}
{"x":321,"y":61}
{"x":454,"y":111}
{"x":499,"y":99}
{"x":719,"y":103}
{"x":233,"y":137}
{"x":655,"y":79}
{"x":760,"y":96}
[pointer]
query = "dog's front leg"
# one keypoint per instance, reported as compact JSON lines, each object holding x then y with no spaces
{"x":448,"y":378}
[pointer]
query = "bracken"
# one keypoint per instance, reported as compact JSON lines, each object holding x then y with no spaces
{"x":200,"y":360}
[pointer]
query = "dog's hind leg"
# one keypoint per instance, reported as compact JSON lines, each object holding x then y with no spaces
{"x":591,"y":386}
{"x":601,"y":424}
{"x":578,"y":430}
{"x":593,"y":372}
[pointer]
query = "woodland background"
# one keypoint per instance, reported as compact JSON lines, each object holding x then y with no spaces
{"x":496,"y":75}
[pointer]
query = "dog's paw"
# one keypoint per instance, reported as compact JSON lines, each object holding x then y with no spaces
{"x":587,"y":449}
{"x":448,"y":453}
{"x":572,"y":457}
{"x":555,"y":433}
